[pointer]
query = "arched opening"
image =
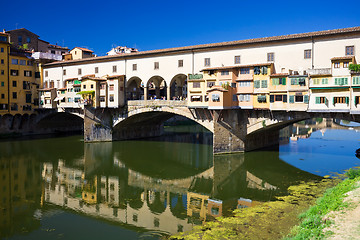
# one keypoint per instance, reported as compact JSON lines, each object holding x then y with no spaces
{"x":134,"y":89}
{"x":60,"y":122}
{"x":156,"y":88}
{"x":178,"y":90}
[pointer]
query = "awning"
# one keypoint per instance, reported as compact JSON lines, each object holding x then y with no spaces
{"x":58,"y":98}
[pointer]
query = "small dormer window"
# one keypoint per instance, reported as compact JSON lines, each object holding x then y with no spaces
{"x":337,"y":65}
{"x":346,"y":64}
{"x":349,"y":50}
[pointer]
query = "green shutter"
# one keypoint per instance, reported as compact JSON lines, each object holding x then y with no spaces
{"x":257,"y":84}
{"x":306,"y":98}
{"x":345,"y":81}
{"x":333,"y":100}
{"x":291,"y":99}
{"x":284,"y":81}
{"x":263,"y":83}
{"x":317,"y":100}
{"x":347,"y":100}
{"x":292,"y":81}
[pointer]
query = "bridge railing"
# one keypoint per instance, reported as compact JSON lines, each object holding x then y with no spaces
{"x":157,"y":102}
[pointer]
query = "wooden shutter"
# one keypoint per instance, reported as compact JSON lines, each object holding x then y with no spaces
{"x":317,"y":100}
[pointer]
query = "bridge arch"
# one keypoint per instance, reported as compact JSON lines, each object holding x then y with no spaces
{"x":60,"y":121}
{"x":161,"y":113}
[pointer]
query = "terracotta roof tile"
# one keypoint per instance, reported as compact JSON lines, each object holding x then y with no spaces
{"x":342,"y":58}
{"x":279,"y":75}
{"x":236,"y":66}
{"x":216,"y":45}
{"x":83,"y":49}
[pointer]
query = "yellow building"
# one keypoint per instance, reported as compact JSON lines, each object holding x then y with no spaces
{"x":23,"y":85}
{"x":197,"y":89}
{"x":262,"y":74}
{"x":90,"y":90}
{"x":4,"y":73}
{"x":278,"y":91}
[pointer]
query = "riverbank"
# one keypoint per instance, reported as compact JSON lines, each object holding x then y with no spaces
{"x":334,"y":215}
{"x":269,"y":220}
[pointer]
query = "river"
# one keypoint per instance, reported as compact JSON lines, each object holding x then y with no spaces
{"x":63,"y":188}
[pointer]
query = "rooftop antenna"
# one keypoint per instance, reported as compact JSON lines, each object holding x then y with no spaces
{"x":16,"y":25}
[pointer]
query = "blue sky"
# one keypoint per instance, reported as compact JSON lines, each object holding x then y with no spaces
{"x":149,"y":25}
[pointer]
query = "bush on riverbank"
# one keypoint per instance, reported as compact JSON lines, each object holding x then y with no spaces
{"x":314,"y":220}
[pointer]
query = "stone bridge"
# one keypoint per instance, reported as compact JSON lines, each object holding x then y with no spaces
{"x":234,"y":130}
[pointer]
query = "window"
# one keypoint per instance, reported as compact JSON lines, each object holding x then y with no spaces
{"x":257,"y":84}
{"x":14,"y":95}
{"x":244,"y":98}
{"x":224,"y":73}
{"x":14,"y":83}
{"x":84,"y":86}
{"x":2,"y":96}
{"x":215,"y":98}
{"x":237,"y":60}
{"x":102,"y":86}
{"x":316,"y":81}
{"x":134,"y":67}
{"x":235,"y":99}
{"x":346,"y":64}
{"x":210,"y":84}
{"x":27,"y":73}
{"x":20,"y":39}
{"x":52,"y":51}
{"x":325,"y":81}
{"x":244,"y":70}
{"x":64,"y":72}
{"x":156,"y":65}
{"x":111,"y":99}
{"x":298,"y":81}
{"x":28,"y":98}
{"x":196,"y":84}
{"x":22,"y":62}
{"x":299,"y":98}
{"x":257,"y":70}
{"x":114,"y":69}
{"x":29,"y":63}
{"x":96,"y":69}
{"x":2,"y":61}
{"x":14,"y":72}
{"x":2,"y":72}
{"x":156,"y":222}
{"x":264,"y":84}
{"x":111,"y":87}
{"x":79,"y":71}
{"x":278,"y":81}
{"x":2,"y":49}
{"x":337,"y":65}
{"x":341,"y":100}
{"x":14,"y":61}
{"x":341,"y":81}
{"x":261,"y":98}
{"x":46,"y":73}
{"x":207,"y":62}
{"x":26,"y":85}
{"x":196,"y":98}
{"x":307,"y":53}
{"x":349,"y":50}
{"x":244,"y":84}
{"x":28,"y":40}
{"x":92,"y":86}
{"x":356,"y":80}
{"x":180,"y":63}
{"x":77,"y":99}
{"x":320,"y":100}
{"x":102,"y":99}
{"x":270,"y":57}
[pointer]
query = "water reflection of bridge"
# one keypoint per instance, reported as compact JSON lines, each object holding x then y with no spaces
{"x":132,"y":198}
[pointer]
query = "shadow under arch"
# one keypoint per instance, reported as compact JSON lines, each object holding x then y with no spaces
{"x":134,"y":89}
{"x":177,"y":206}
{"x":177,"y":84}
{"x":133,"y":194}
{"x":154,"y":202}
{"x":61,"y":121}
{"x":156,"y":87}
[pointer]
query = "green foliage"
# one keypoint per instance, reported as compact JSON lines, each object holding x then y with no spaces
{"x":313,"y":220}
{"x":353,"y":173}
{"x":354,"y":67}
{"x":84,"y":94}
{"x":225,"y":85}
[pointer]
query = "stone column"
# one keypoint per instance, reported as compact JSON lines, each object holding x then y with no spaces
{"x":229,"y":131}
{"x":168,"y":94}
{"x":145,"y":93}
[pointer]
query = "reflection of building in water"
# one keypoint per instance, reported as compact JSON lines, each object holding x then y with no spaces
{"x":257,"y":183}
{"x":20,"y":187}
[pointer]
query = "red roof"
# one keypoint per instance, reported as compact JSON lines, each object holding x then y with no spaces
{"x":83,"y":49}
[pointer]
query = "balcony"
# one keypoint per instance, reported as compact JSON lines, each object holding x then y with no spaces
{"x":319,"y":71}
{"x":50,"y":56}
